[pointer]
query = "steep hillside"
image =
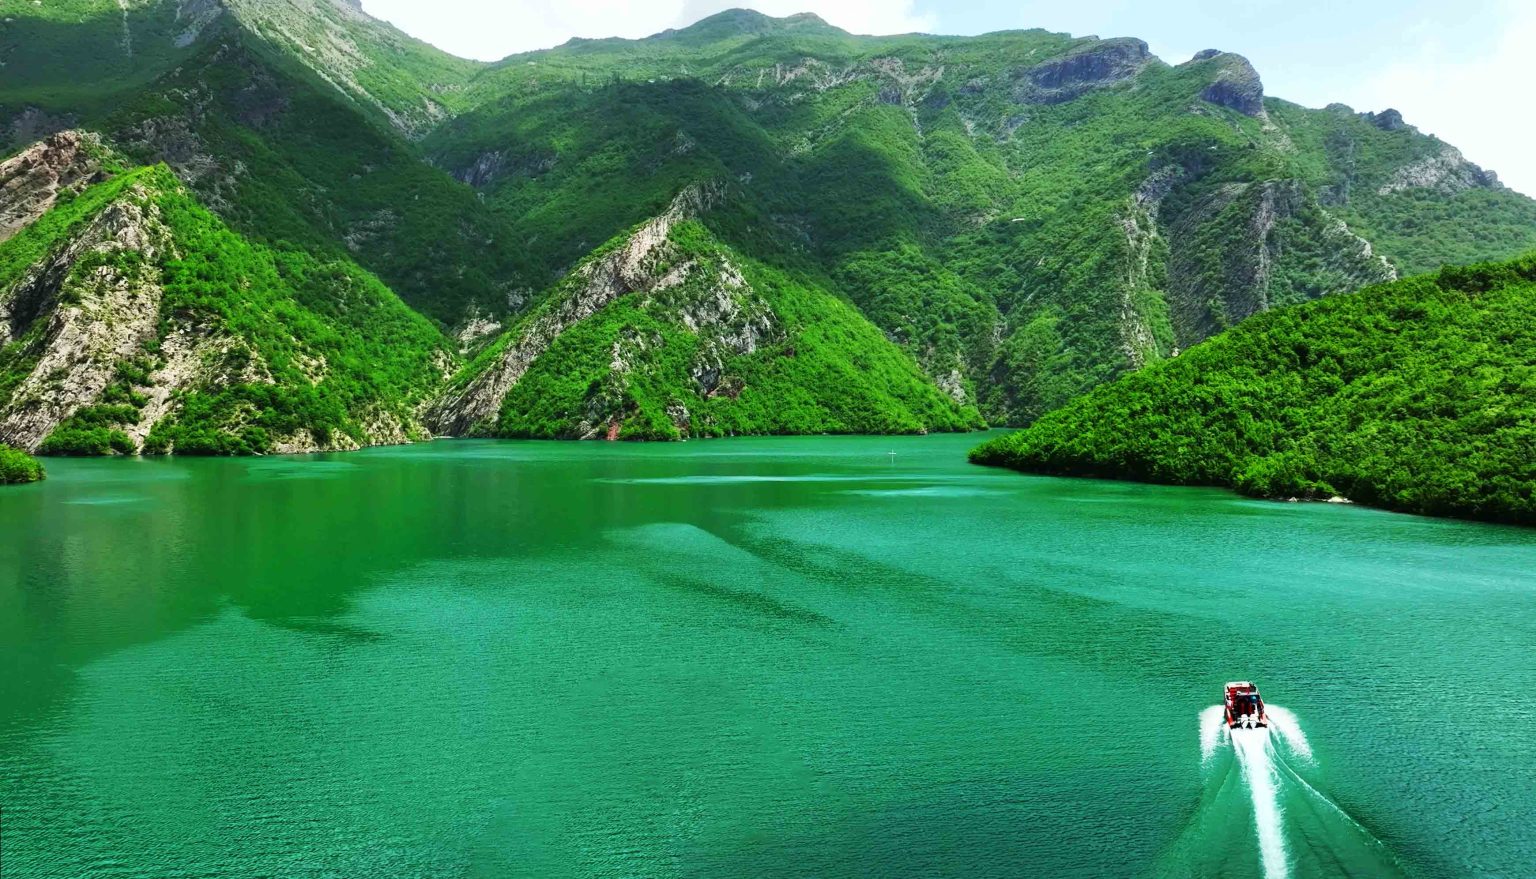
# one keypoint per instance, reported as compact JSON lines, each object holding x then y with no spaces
{"x":1026,"y":214}
{"x":132,"y":319}
{"x":292,"y":119}
{"x":1417,"y":396}
{"x":666,"y":333}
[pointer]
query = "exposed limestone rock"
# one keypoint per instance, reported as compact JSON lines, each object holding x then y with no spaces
{"x":1202,"y":304}
{"x":727,"y":311}
{"x":194,"y":355}
{"x":98,"y":310}
{"x":174,"y":141}
{"x":953,"y":384}
{"x":1099,"y":65}
{"x":30,"y":183}
{"x":1387,"y":120}
{"x":1138,"y":343}
{"x":323,"y":35}
{"x":492,"y":166}
{"x":477,"y":326}
{"x":1237,"y":85}
{"x":903,"y":87}
{"x":628,"y":269}
{"x":1446,"y":173}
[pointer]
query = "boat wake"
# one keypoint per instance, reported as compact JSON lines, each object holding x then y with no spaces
{"x":1254,"y":753}
{"x":1260,"y":813}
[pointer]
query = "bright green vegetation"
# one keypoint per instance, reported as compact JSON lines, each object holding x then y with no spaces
{"x":825,"y":656}
{"x":1035,"y":212}
{"x":1026,"y":215}
{"x":17,"y":466}
{"x":774,"y":356}
{"x":1417,"y":396}
{"x":256,"y":346}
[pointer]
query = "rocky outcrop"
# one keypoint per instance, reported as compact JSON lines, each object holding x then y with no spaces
{"x":31,"y":182}
{"x":489,"y":167}
{"x":97,"y":301}
{"x":1216,"y":278}
{"x":1445,"y":173}
{"x":342,"y":45}
{"x":1099,"y":65}
{"x":1387,"y":120}
{"x":628,"y":269}
{"x":1237,"y":85}
{"x":193,"y":18}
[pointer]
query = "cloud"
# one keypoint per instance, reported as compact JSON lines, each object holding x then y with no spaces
{"x":490,"y":30}
{"x":1476,"y":102}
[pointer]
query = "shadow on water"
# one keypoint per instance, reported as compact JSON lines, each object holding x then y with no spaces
{"x":746,"y":657}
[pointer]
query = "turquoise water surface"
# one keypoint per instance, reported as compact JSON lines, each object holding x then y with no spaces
{"x":745,"y":658}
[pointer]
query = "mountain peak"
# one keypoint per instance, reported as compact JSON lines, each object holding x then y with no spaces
{"x":748,"y":22}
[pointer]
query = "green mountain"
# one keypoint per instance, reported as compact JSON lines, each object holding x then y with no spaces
{"x":1028,"y":214}
{"x":665,"y":332}
{"x":1021,"y":215}
{"x":133,"y":319}
{"x":1417,"y":396}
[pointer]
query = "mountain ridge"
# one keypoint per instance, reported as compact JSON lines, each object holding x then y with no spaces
{"x":1024,"y":214}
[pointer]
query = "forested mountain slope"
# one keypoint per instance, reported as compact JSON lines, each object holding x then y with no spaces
{"x":1028,"y":213}
{"x":1025,"y":214}
{"x":666,"y":333}
{"x":1417,"y":396}
{"x":132,"y":319}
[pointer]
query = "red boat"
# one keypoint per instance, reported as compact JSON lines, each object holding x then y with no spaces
{"x":1245,"y":710}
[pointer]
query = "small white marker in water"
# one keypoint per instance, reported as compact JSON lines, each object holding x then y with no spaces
{"x":893,"y":458}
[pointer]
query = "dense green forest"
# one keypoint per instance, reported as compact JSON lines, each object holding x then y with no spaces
{"x":1417,"y":396}
{"x":731,"y":348}
{"x":369,"y":239}
{"x":257,"y":347}
{"x":1027,"y":214}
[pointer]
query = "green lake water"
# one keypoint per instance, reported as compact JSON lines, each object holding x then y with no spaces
{"x":745,"y":658}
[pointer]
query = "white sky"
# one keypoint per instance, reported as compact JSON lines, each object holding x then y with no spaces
{"x":1459,"y":69}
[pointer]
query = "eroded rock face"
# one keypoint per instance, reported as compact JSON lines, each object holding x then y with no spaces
{"x":99,"y":301}
{"x":628,"y":269}
{"x":194,"y":17}
{"x":31,"y":182}
{"x":1237,"y":85}
{"x":1446,"y":173}
{"x":1099,"y":65}
{"x":1202,"y":304}
{"x":1387,"y":120}
{"x":489,"y":167}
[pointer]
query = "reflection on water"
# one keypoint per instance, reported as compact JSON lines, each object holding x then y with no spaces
{"x":764,"y":657}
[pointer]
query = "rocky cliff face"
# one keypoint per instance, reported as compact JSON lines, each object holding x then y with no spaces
{"x":92,"y":304}
{"x":107,"y":343}
{"x":1229,"y":250}
{"x":1098,"y":65}
{"x":640,"y":266}
{"x":1447,"y":173}
{"x":32,"y":181}
{"x":1236,"y":85}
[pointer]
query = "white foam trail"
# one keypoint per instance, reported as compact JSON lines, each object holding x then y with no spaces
{"x":1211,"y":730}
{"x":1253,"y":755}
{"x":1281,"y":720}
